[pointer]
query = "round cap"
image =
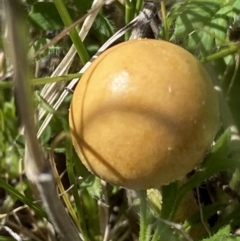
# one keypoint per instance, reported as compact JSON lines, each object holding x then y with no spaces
{"x":144,"y":114}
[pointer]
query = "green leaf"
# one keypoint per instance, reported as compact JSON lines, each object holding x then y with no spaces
{"x":195,"y":14}
{"x":83,"y":5}
{"x":222,"y":145}
{"x":169,"y":194}
{"x":37,"y":45}
{"x":225,"y":9}
{"x":231,"y":218}
{"x":223,"y":235}
{"x":219,"y":26}
{"x":44,"y":16}
{"x":102,"y":28}
{"x":16,"y":194}
{"x":66,"y":17}
{"x":202,"y":25}
{"x":207,"y":212}
{"x":236,"y":7}
{"x":215,"y":162}
{"x":201,"y":40}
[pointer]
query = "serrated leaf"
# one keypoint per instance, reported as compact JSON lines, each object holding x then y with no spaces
{"x":236,"y":7}
{"x":202,"y":25}
{"x":195,"y":14}
{"x":219,"y":26}
{"x":207,"y":39}
{"x":223,"y":235}
{"x":224,"y":10}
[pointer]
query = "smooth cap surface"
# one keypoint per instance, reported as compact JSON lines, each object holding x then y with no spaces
{"x":143,"y":114}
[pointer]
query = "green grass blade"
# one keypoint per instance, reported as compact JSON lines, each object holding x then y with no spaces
{"x":12,"y":191}
{"x":82,"y":52}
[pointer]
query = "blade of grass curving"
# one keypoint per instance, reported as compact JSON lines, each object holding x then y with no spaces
{"x":38,"y":169}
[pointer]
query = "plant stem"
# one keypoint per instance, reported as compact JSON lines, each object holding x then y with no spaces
{"x":63,"y":12}
{"x":42,"y":81}
{"x":164,"y":19}
{"x":143,"y":216}
{"x":138,"y":7}
{"x":221,"y":54}
{"x":128,"y":16}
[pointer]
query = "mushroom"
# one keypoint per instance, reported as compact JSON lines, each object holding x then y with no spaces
{"x":144,"y":114}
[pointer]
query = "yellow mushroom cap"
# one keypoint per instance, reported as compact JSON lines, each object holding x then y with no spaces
{"x":144,"y":114}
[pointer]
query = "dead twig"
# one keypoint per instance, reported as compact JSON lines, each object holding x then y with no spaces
{"x":38,"y":169}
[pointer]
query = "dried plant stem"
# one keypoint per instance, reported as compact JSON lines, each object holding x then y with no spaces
{"x":38,"y":169}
